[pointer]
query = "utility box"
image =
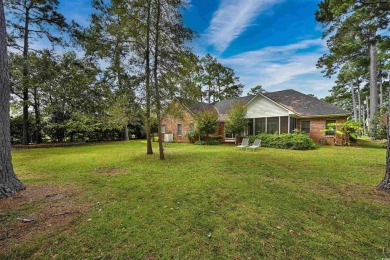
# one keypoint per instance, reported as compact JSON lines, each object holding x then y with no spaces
{"x":168,"y":138}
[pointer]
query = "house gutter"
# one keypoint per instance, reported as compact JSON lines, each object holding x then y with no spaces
{"x":319,"y":116}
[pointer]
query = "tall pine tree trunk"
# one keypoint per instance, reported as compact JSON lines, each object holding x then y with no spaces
{"x":373,"y":82}
{"x":38,"y":127}
{"x":149,"y":149}
{"x":353,"y":100}
{"x":25,"y":134}
{"x":385,"y":184}
{"x":380,"y":90}
{"x":156,"y":85}
{"x":359,"y":104}
{"x":9,"y":184}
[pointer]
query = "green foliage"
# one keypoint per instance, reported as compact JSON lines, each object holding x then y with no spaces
{"x":219,"y":82}
{"x":257,"y":90}
{"x":285,"y":141}
{"x":237,"y":122}
{"x":346,"y":130}
{"x":207,"y":122}
{"x":379,"y":129}
{"x":208,"y":142}
{"x":212,"y":142}
{"x":200,"y":143}
{"x":191,"y":135}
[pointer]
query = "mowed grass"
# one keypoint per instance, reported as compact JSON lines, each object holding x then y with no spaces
{"x":213,"y":202}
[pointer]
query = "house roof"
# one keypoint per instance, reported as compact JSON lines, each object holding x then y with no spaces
{"x":304,"y":105}
{"x":199,"y":107}
{"x":224,"y":105}
{"x":301,"y":104}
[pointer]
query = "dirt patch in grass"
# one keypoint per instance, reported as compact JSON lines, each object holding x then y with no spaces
{"x":111,"y":171}
{"x":356,"y":191}
{"x":37,"y":211}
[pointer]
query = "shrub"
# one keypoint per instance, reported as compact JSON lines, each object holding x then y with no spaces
{"x":212,"y":142}
{"x":191,"y":135}
{"x":218,"y":138}
{"x":209,"y":142}
{"x":285,"y":141}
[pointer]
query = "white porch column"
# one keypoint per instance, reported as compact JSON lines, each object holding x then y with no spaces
{"x":266,"y":122}
{"x":279,"y":125}
{"x":288,"y":123}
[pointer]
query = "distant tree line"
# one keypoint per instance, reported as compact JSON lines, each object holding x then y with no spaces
{"x":359,"y":53}
{"x":68,"y":96}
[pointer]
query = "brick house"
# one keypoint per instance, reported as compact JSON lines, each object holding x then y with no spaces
{"x":274,"y":112}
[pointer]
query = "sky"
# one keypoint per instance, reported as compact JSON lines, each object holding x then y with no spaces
{"x":273,"y":43}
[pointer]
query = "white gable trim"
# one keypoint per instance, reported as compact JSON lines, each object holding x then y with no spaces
{"x":276,"y":103}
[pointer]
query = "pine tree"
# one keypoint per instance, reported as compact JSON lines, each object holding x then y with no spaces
{"x":9,"y":183}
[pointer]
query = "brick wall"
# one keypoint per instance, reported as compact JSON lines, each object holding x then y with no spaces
{"x":316,"y":127}
{"x":180,"y":116}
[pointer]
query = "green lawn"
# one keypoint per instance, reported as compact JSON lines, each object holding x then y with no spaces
{"x":207,"y":202}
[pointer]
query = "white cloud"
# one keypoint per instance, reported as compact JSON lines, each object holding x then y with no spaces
{"x":282,"y":67}
{"x":232,"y":18}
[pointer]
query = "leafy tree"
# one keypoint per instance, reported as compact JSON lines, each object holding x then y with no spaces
{"x":353,"y":28}
{"x":220,"y":81}
{"x":256,"y":90}
{"x":29,"y":19}
{"x":237,"y":119}
{"x":109,"y":37}
{"x":207,"y":122}
{"x":9,"y":183}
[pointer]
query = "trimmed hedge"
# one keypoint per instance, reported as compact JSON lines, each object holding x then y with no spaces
{"x":210,"y":142}
{"x":285,"y":141}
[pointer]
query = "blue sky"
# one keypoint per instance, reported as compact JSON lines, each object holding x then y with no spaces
{"x":274,"y":43}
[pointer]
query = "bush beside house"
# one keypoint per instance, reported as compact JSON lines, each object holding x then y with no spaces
{"x":285,"y":141}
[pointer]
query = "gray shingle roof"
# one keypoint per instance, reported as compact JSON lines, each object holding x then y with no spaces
{"x":199,"y":107}
{"x":304,"y":105}
{"x":297,"y":102}
{"x":224,"y":105}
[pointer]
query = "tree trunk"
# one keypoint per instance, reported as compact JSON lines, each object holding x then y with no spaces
{"x":359,"y":104}
{"x":156,"y":86}
{"x":125,"y":133}
{"x":385,"y":184}
{"x":209,"y":93}
{"x":368,"y":119}
{"x":380,"y":90}
{"x":353,"y":100}
{"x":149,"y":149}
{"x":25,"y":135}
{"x":9,"y":183}
{"x":373,"y":82}
{"x":38,"y":130}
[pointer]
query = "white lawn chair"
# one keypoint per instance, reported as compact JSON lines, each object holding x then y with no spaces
{"x":256,"y":144}
{"x":244,"y":144}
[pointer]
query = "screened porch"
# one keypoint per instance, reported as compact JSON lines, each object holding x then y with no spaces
{"x":269,"y":125}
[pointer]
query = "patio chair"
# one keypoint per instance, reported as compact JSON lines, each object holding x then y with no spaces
{"x":256,"y":144}
{"x":244,"y":144}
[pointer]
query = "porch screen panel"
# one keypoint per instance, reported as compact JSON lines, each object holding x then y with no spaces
{"x":259,"y":125}
{"x":293,"y":124}
{"x":272,"y":125}
{"x":249,"y":127}
{"x":284,"y":124}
